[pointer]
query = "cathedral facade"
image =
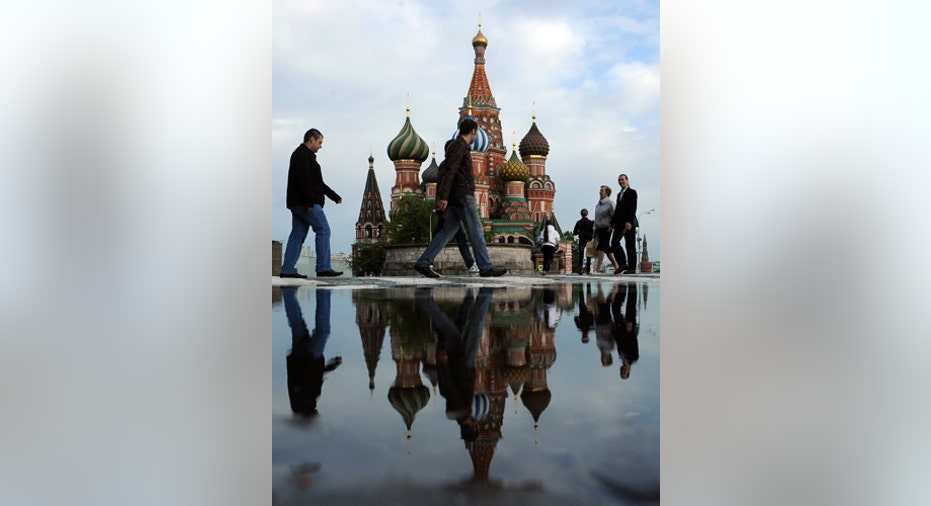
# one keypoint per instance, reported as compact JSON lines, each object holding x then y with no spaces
{"x":513,"y":193}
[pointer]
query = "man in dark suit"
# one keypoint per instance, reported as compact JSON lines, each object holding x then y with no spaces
{"x":585,"y":229}
{"x":625,"y":224}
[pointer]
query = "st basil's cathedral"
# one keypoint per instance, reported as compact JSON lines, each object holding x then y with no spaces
{"x":513,"y":193}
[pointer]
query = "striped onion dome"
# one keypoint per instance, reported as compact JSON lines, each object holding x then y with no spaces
{"x":408,"y":401}
{"x":481,"y":404}
{"x":514,"y":169}
{"x":481,"y":142}
{"x":534,"y":143}
{"x":407,"y":145}
{"x":430,"y":173}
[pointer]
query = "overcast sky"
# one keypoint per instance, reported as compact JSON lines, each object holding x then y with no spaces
{"x":346,"y":67}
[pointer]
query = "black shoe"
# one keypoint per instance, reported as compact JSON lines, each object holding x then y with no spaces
{"x":295,"y":275}
{"x":329,"y":274}
{"x":630,"y":271}
{"x":427,"y":271}
{"x":493,"y":272}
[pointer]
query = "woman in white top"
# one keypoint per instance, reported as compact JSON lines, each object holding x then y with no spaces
{"x":548,"y":241}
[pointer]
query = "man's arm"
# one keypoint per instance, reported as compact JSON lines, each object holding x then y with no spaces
{"x":632,"y":206}
{"x":449,"y":171}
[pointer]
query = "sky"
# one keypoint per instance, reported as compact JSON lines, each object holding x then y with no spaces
{"x":588,"y":69}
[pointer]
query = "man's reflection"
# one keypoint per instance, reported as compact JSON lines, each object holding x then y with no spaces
{"x":457,"y":346}
{"x":604,"y":327}
{"x":585,"y":320}
{"x":305,"y":361}
{"x":626,"y":329}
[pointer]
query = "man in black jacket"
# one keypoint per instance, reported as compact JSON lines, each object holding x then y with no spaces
{"x":625,"y":224}
{"x":584,"y":228}
{"x":306,"y":190}
{"x":455,"y":196}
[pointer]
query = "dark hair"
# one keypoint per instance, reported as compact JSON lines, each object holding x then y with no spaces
{"x":607,"y":190}
{"x":625,"y":176}
{"x":466,"y":126}
{"x":584,"y":212}
{"x":546,"y":228}
{"x":313,"y":133}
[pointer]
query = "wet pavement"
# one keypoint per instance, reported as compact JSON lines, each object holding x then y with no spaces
{"x":466,"y":390}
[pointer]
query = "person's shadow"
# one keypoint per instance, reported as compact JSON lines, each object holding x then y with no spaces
{"x":305,"y":362}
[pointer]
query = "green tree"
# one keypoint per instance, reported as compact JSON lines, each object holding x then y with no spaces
{"x":368,"y":259}
{"x":410,"y":222}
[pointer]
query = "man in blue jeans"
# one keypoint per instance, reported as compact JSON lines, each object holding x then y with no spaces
{"x":306,"y":190}
{"x":455,"y":192}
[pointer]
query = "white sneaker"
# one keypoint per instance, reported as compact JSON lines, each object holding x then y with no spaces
{"x":473,"y":271}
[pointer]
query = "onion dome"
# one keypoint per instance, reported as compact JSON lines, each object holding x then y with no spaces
{"x":514,"y":169}
{"x":371,"y":159}
{"x":534,"y":143}
{"x":536,"y":401}
{"x":481,"y":142}
{"x":481,"y":404}
{"x":407,"y":402}
{"x":430,"y":173}
{"x":407,"y":145}
{"x":479,"y":39}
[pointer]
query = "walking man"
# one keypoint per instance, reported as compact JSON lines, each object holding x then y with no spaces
{"x":625,"y":224}
{"x":306,"y":190}
{"x":455,"y":192}
{"x":584,"y":228}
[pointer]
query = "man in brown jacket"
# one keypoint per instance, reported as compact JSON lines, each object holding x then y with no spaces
{"x":455,"y":192}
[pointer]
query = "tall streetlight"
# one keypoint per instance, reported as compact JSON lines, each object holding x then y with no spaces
{"x":639,"y":239}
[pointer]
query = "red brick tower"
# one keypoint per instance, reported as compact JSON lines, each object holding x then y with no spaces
{"x":485,"y":112}
{"x":540,"y":188}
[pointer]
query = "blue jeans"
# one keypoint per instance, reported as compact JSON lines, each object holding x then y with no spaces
{"x":302,"y":341}
{"x":461,"y":241}
{"x":467,"y":216}
{"x":303,"y":219}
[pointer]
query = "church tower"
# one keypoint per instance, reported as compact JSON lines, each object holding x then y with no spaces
{"x":371,"y":223}
{"x":479,"y":103}
{"x":540,"y":188}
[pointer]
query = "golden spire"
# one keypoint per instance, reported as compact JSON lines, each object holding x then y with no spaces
{"x":408,"y":105}
{"x":533,"y":114}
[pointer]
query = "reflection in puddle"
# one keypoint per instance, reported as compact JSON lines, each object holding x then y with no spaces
{"x":461,"y":354}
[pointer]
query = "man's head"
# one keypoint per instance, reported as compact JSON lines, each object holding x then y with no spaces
{"x":584,"y":212}
{"x":622,"y":180}
{"x":313,"y":139}
{"x":468,"y":128}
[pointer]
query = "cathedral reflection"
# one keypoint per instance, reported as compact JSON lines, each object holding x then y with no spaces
{"x":472,"y":344}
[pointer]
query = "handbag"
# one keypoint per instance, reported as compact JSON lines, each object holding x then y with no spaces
{"x":591,"y":248}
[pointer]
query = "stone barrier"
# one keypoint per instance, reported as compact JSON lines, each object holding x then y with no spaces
{"x":399,"y":260}
{"x":276,"y":258}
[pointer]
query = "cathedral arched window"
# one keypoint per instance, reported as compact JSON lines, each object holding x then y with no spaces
{"x":368,"y":231}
